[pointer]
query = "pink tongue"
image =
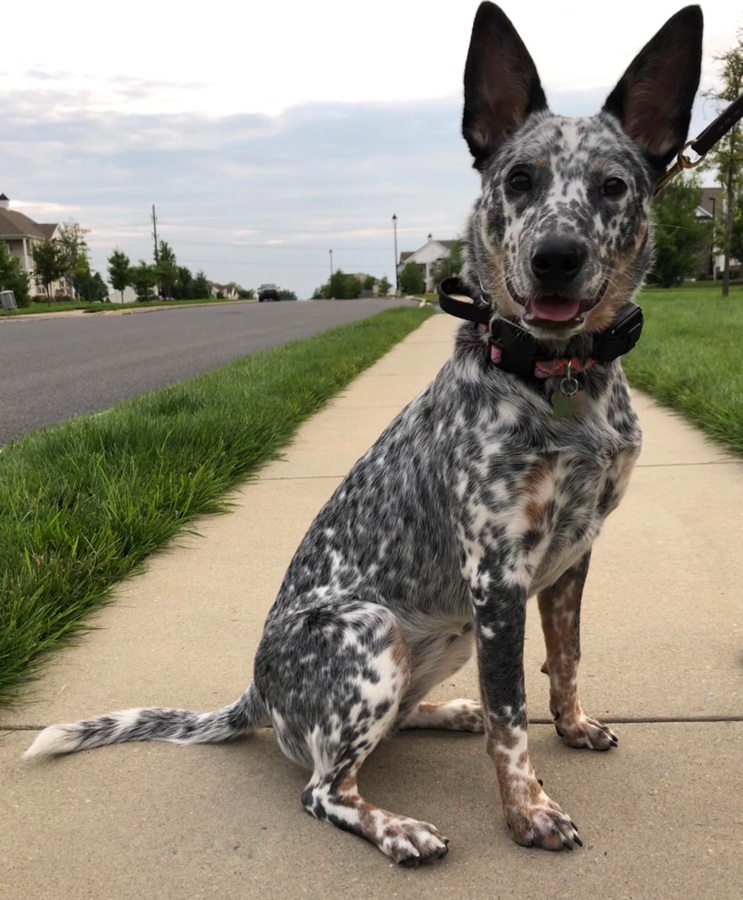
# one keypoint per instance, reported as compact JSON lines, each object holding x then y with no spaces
{"x":555,"y":309}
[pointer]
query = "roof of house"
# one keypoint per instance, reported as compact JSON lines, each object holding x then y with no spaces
{"x":15,"y":224}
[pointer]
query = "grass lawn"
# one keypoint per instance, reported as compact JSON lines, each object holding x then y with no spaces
{"x":690,"y":356}
{"x":84,"y":503}
{"x":64,"y":306}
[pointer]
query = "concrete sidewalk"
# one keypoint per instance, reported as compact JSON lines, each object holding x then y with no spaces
{"x":661,"y":816}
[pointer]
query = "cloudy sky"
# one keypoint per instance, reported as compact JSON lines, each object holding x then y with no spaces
{"x":269,"y":133}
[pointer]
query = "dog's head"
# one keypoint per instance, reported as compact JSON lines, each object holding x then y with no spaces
{"x":560,"y":237}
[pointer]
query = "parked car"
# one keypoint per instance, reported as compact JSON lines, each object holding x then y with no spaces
{"x":268,"y":292}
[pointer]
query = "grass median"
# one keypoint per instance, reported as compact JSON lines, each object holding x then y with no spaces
{"x":690,"y":357}
{"x":86,"y":502}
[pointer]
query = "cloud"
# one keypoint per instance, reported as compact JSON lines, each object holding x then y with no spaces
{"x":248,"y":198}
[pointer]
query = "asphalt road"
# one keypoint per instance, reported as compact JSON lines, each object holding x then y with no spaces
{"x":58,"y":367}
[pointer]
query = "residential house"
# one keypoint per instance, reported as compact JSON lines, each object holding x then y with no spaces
{"x":426,"y":258}
{"x":228,"y":291}
{"x":713,"y":207}
{"x":21,"y":233}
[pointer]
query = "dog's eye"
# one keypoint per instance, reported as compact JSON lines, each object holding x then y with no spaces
{"x":614,"y":187}
{"x":519,"y":181}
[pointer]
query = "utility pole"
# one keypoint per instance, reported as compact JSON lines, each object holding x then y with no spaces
{"x":154,"y":234}
{"x":331,"y":276}
{"x":394,"y":226}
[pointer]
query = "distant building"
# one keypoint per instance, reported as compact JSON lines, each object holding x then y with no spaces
{"x":227,"y":291}
{"x":426,"y":258}
{"x":714,"y":207}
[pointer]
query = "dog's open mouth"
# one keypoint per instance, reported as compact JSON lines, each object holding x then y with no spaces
{"x":552,"y":310}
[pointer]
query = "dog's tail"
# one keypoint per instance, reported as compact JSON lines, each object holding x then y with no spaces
{"x":156,"y":724}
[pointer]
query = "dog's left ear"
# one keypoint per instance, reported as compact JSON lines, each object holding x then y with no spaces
{"x":654,"y":97}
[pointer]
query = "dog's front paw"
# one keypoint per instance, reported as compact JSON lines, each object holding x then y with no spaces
{"x":410,"y":843}
{"x":585,"y":731}
{"x":543,"y":824}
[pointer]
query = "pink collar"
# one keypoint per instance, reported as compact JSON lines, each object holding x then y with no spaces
{"x":550,"y":368}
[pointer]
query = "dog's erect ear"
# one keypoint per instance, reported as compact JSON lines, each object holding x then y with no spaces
{"x":501,"y":84}
{"x":654,"y":96}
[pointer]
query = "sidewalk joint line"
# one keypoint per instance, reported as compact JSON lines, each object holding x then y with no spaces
{"x":298,"y":477}
{"x":711,"y":462}
{"x":653,"y":720}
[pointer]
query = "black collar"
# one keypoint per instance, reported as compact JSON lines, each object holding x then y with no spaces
{"x":519,"y":352}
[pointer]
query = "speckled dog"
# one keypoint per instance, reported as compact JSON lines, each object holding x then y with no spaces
{"x":477,"y":496}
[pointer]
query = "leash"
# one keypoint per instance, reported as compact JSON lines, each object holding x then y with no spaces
{"x":701,"y":146}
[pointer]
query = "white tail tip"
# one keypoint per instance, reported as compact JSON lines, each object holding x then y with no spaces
{"x":52,"y":741}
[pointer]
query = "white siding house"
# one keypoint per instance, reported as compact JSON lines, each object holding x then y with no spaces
{"x":425,"y":258}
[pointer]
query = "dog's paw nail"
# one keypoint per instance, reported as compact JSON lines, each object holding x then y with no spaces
{"x":541,"y":783}
{"x":578,"y":841}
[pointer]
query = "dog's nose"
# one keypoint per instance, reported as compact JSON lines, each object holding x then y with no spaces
{"x":557,"y":261}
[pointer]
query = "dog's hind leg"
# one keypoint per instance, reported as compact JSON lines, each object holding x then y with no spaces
{"x":449,"y":715}
{"x":559,"y":607}
{"x":333,"y":795}
{"x":333,"y":678}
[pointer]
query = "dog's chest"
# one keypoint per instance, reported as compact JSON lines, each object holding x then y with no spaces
{"x":535,"y":510}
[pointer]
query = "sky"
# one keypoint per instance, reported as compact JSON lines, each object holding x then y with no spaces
{"x":268,"y":134}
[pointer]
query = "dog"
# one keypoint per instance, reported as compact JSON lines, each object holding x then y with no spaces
{"x":492,"y":485}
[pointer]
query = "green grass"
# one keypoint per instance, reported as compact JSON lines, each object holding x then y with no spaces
{"x":690,"y":357}
{"x":86,"y":502}
{"x":67,"y":305}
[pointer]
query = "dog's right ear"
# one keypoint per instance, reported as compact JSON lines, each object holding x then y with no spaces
{"x":501,"y":84}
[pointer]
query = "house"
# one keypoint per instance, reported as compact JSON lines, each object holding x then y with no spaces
{"x":224,"y":291}
{"x":712,"y":208}
{"x":426,"y":258}
{"x":21,"y":233}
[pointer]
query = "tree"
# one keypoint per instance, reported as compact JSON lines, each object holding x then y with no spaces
{"x":92,"y":288}
{"x":727,"y":155}
{"x":74,"y":254}
{"x":451,"y":264}
{"x":167,"y":270}
{"x":384,"y":286}
{"x":678,"y":234}
{"x":13,"y":277}
{"x":287,"y":295}
{"x":144,"y":280}
{"x":245,"y":293}
{"x":118,"y":271}
{"x":49,"y":264}
{"x":369,"y":282}
{"x":339,"y":287}
{"x":200,"y":287}
{"x":411,"y":279}
{"x":183,"y":284}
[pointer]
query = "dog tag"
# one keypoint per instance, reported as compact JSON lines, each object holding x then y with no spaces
{"x":568,"y":401}
{"x":568,"y":407}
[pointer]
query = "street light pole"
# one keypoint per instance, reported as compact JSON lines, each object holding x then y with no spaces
{"x":394,"y":226}
{"x":331,"y":275}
